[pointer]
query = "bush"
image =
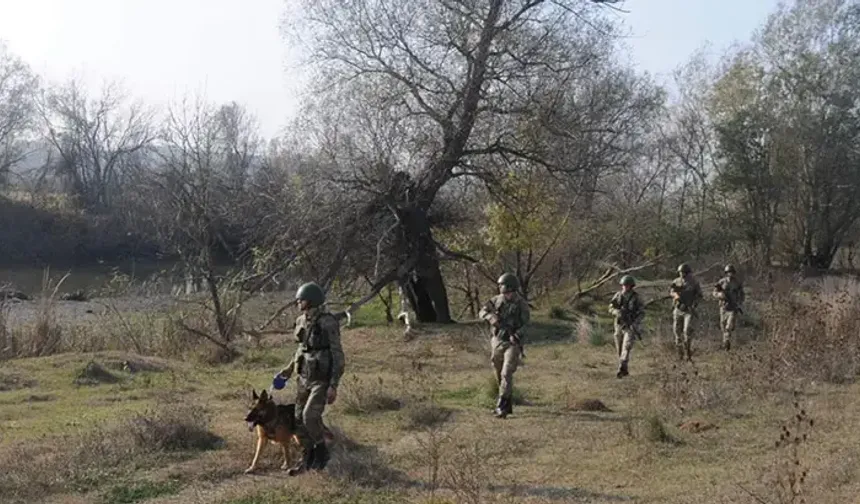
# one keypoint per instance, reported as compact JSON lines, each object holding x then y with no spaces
{"x":176,"y":427}
{"x":813,"y":337}
{"x":363,"y":397}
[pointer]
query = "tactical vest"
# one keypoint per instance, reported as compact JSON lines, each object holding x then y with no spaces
{"x":686,"y":292}
{"x":508,"y":313}
{"x":730,"y":288}
{"x":627,"y":303}
{"x":315,"y":364}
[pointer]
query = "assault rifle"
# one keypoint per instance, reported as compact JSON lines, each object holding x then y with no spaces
{"x":504,"y":329}
{"x":626,"y":321}
{"x":719,"y":288}
{"x":676,"y":289}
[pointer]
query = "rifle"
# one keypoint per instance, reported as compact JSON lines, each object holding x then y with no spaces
{"x":625,"y":321}
{"x":628,"y":324}
{"x":678,"y":303}
{"x":504,"y":329}
{"x":725,"y":300}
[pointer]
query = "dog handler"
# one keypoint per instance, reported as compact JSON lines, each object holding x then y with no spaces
{"x":319,"y":362}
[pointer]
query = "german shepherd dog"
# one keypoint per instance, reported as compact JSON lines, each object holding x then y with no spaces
{"x":275,"y":423}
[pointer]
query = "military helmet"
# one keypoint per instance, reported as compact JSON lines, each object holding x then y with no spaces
{"x":311,"y":293}
{"x":729,"y":268}
{"x":684,"y":268}
{"x":628,"y":280}
{"x":509,"y":281}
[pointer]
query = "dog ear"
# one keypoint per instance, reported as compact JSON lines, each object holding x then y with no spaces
{"x":264,"y":396}
{"x":254,"y":395}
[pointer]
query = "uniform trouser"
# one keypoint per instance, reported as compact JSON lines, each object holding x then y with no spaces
{"x":682,"y":327}
{"x":727,"y":323}
{"x":505,"y":358}
{"x":310,"y":404}
{"x":624,"y":338}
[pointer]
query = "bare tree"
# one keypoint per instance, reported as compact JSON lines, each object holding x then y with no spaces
{"x":18,"y":86}
{"x":96,"y":139}
{"x":461,"y":81}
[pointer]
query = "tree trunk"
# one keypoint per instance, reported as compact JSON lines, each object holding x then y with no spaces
{"x":425,"y":286}
{"x":822,"y":257}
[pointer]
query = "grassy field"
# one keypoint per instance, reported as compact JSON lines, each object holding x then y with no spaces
{"x":414,"y":423}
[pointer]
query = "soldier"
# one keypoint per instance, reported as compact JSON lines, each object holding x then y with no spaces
{"x":506,"y":313}
{"x":627,"y":308}
{"x":729,"y":290}
{"x":319,"y":362}
{"x":686,"y":293}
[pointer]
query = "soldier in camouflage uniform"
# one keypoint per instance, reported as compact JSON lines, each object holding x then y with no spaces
{"x":506,"y":313}
{"x":629,"y":310}
{"x":686,"y":294}
{"x":319,"y":362}
{"x":729,"y":290}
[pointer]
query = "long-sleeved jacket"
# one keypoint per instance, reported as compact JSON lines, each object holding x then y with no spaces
{"x":627,"y":308}
{"x":319,"y":356}
{"x":689,"y":293}
{"x":513,"y":315}
{"x":730,"y":292}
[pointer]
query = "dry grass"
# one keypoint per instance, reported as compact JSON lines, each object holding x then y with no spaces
{"x":88,"y":460}
{"x":816,"y":336}
{"x":364,"y":396}
{"x":413,"y":422}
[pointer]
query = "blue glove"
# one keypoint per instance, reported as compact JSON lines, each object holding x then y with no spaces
{"x":279,"y":382}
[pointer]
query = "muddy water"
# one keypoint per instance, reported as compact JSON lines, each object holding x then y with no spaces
{"x":90,"y":278}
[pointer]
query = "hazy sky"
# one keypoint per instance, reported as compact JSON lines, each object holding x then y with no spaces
{"x":232,"y":49}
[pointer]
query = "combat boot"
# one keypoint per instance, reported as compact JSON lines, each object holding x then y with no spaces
{"x":509,"y":406}
{"x":321,"y":456}
{"x":680,"y":348}
{"x":688,"y":352}
{"x":501,"y":408}
{"x":307,"y":460}
{"x":304,"y":464}
{"x":622,"y":370}
{"x":727,"y":345}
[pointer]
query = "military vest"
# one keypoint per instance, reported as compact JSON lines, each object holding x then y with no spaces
{"x":315,"y":364}
{"x":731,"y":288}
{"x":688,"y":293}
{"x":509,"y":314}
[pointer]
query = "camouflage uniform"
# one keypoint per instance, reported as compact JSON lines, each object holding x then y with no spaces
{"x":729,"y":290}
{"x":684,"y":309}
{"x":628,"y":310}
{"x":512,"y":316}
{"x":319,"y":362}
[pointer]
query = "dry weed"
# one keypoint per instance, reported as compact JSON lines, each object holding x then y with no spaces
{"x":367,"y":396}
{"x":84,"y":461}
{"x":45,"y":337}
{"x":472,"y":467}
{"x":784,"y":483}
{"x":815,"y":337}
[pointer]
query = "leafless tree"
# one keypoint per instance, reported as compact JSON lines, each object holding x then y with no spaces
{"x":18,"y":86}
{"x":96,"y":138}
{"x":460,"y":82}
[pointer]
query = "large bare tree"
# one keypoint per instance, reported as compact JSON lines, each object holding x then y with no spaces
{"x":465,"y":86}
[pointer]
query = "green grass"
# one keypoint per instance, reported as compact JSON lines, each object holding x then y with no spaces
{"x":373,"y":313}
